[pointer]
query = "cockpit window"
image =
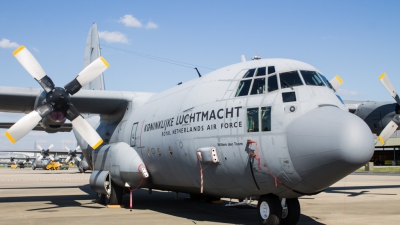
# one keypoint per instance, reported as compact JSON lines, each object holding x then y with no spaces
{"x":249,"y":73}
{"x":327,"y":82}
{"x":290,"y":79}
{"x":266,"y":118}
{"x":261,"y":71}
{"x":252,"y":120}
{"x":272,"y":83}
{"x":311,"y":78}
{"x":271,"y":69}
{"x":243,"y":88}
{"x":258,"y":86}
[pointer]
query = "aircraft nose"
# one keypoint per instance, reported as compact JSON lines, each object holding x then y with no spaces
{"x":326,"y":144}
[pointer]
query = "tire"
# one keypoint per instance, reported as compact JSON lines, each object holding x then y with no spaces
{"x":293,"y":214}
{"x":269,"y":210}
{"x":101,"y":198}
{"x":115,"y":197}
{"x":80,"y":169}
{"x":33,"y":168}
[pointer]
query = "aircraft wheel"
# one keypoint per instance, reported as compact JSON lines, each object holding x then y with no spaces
{"x":269,"y":209}
{"x":293,"y":212}
{"x":101,"y":198}
{"x":33,"y":168}
{"x":81,"y":169}
{"x":115,"y":194}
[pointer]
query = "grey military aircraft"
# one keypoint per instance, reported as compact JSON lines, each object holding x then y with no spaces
{"x":45,"y":156}
{"x":20,"y":162}
{"x":73,"y":156}
{"x":266,"y":129}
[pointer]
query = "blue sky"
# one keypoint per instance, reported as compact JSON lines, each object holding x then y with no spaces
{"x":357,"y":40}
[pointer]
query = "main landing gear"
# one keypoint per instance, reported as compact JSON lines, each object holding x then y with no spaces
{"x":114,"y":194}
{"x":273,"y":211}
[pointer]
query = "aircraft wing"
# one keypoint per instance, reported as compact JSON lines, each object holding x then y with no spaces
{"x":66,"y":127}
{"x":23,"y":100}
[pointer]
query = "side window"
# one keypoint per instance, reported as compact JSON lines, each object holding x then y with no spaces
{"x":243,"y":88}
{"x":289,"y":97}
{"x":272,"y":83}
{"x":258,"y":86}
{"x":311,"y":78}
{"x":266,"y":118}
{"x":249,"y":73}
{"x":261,"y":71}
{"x":271,"y":69}
{"x":290,"y":79}
{"x":252,"y":120}
{"x":327,"y":82}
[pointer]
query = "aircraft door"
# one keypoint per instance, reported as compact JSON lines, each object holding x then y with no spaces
{"x":133,"y":135}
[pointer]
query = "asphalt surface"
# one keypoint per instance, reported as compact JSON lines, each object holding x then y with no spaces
{"x":63,"y":197}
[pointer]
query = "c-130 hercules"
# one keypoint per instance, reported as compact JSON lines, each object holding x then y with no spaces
{"x":267,"y":129}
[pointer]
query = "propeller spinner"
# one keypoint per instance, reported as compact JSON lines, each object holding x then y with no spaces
{"x":58,"y":99}
{"x":395,"y":122}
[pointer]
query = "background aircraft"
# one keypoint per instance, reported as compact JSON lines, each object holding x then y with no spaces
{"x":266,"y":129}
{"x":77,"y":158}
{"x":48,"y":159}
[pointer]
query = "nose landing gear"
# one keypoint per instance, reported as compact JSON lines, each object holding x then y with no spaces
{"x":273,"y":211}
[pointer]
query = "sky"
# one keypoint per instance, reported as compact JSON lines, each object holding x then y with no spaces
{"x":357,"y":40}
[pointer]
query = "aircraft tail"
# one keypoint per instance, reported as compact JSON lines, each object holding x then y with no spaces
{"x":92,"y":52}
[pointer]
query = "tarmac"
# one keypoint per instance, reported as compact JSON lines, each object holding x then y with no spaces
{"x":63,"y":197}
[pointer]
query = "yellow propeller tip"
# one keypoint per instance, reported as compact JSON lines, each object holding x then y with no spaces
{"x":105,"y":62}
{"x":339,"y":79}
{"x":382,"y":76}
{"x":98,"y":144}
{"x":20,"y":48}
{"x":8,"y":135}
{"x":381,"y":140}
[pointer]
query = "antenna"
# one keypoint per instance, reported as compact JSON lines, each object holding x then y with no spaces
{"x":197,"y":71}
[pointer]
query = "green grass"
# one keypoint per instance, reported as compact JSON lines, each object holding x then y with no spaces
{"x":395,"y":169}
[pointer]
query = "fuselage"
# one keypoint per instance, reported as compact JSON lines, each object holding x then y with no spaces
{"x":276,"y":125}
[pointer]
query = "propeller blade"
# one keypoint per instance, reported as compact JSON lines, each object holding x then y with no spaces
{"x":66,"y":147}
{"x":39,"y":158}
{"x":39,"y":147}
{"x":336,"y":82}
{"x":79,"y":159}
{"x":389,"y":87}
{"x":87,"y":75}
{"x":87,"y":132}
{"x":51,"y":146}
{"x":32,"y":66}
{"x":387,"y":131}
{"x":23,"y":126}
{"x":78,"y":148}
{"x":51,"y":158}
{"x":67,"y":159}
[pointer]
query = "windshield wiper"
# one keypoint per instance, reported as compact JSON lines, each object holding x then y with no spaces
{"x":288,"y":85}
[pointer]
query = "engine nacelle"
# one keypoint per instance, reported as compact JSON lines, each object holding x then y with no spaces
{"x":122,"y":162}
{"x":53,"y":122}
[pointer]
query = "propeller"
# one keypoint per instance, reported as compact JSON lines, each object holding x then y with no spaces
{"x":392,"y":126}
{"x":336,"y":82}
{"x":58,"y":99}
{"x":45,"y":153}
{"x":72,"y":154}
